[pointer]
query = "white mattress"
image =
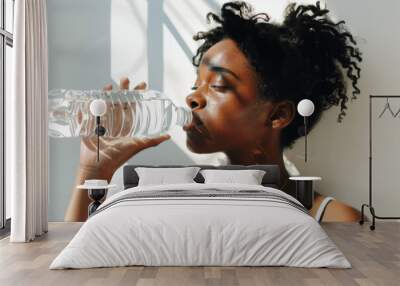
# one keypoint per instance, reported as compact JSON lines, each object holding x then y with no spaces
{"x":200,"y":231}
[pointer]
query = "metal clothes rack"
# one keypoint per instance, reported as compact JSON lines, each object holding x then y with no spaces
{"x":370,"y":204}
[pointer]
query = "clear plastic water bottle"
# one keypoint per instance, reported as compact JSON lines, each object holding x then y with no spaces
{"x":129,"y":113}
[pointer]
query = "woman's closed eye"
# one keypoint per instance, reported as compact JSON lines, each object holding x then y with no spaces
{"x":220,"y":87}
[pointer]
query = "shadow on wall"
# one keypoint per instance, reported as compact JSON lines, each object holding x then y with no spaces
{"x":157,"y":18}
{"x":80,"y":58}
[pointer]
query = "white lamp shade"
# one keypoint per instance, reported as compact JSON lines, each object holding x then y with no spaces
{"x":305,"y":107}
{"x":98,"y":107}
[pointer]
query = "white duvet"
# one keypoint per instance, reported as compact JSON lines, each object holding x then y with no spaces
{"x":200,"y":231}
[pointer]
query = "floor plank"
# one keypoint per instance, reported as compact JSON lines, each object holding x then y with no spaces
{"x":374,"y":255}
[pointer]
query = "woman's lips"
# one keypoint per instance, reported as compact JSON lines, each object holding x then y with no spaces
{"x":196,"y":128}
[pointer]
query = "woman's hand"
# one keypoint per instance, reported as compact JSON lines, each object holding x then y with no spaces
{"x":114,"y":152}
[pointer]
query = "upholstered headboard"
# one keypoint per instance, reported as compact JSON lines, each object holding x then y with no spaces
{"x":271,"y":177}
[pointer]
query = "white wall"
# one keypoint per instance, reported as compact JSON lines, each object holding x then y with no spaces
{"x":79,"y":58}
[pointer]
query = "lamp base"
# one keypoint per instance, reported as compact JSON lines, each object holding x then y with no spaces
{"x":100,"y":130}
{"x":96,"y":195}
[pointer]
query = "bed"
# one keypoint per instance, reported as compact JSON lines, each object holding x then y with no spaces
{"x":198,"y":224}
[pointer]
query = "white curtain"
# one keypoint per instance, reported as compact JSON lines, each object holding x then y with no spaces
{"x":26,"y":117}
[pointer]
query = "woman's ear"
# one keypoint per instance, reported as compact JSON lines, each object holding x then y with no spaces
{"x":282,"y":114}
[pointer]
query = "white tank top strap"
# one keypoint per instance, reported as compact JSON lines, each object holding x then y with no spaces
{"x":322,"y":207}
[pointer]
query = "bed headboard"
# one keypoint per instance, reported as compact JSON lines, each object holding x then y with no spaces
{"x":270,"y":179}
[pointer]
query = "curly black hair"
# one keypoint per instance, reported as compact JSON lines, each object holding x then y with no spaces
{"x":306,"y":56}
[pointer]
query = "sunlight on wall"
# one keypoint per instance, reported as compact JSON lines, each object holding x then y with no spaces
{"x":128,"y":40}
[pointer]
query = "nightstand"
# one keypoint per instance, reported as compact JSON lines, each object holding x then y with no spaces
{"x":304,"y":190}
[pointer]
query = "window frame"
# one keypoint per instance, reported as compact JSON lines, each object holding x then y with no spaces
{"x":6,"y":39}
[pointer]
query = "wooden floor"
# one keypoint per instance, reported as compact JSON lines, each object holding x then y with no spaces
{"x":375,"y":257}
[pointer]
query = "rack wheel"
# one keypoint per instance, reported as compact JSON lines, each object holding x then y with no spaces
{"x":372,"y":227}
{"x":361,"y":222}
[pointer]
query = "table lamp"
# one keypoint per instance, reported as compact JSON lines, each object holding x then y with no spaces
{"x":305,"y":108}
{"x":98,"y":108}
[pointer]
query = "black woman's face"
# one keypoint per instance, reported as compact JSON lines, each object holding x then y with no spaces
{"x":228,"y":114}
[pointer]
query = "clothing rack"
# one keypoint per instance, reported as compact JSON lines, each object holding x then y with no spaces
{"x":370,"y":204}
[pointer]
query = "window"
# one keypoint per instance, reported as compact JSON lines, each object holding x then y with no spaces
{"x":6,"y":44}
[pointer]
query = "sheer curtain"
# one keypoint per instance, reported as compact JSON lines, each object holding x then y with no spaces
{"x":26,"y":119}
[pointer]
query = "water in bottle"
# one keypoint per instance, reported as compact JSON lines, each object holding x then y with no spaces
{"x":129,"y":113}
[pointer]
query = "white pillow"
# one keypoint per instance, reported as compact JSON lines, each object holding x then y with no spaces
{"x":248,"y":177}
{"x":163,"y":176}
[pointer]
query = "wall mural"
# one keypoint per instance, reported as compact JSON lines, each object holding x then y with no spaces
{"x":240,"y":69}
